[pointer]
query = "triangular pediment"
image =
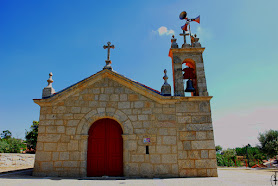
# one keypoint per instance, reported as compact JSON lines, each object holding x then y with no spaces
{"x":122,"y":80}
{"x":111,"y":75}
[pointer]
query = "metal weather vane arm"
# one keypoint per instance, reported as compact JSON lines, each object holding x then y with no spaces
{"x":186,"y":26}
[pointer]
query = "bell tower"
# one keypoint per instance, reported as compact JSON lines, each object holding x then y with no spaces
{"x":191,"y":57}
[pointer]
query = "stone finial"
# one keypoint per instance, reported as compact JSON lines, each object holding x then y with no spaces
{"x":166,"y":87}
{"x":50,"y":80}
{"x":165,"y":77}
{"x":195,"y":41}
{"x":49,"y":90}
{"x":174,"y":42}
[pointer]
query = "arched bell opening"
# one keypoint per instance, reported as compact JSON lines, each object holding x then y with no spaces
{"x":190,"y":77}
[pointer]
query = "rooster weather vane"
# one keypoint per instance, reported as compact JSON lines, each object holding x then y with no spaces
{"x":186,"y":27}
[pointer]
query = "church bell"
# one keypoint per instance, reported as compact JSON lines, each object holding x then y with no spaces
{"x":189,"y":86}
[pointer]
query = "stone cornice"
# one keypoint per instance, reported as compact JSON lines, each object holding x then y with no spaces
{"x":183,"y":50}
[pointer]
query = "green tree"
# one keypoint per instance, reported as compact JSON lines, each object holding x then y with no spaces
{"x":32,"y":135}
{"x":6,"y":134}
{"x":269,"y":142}
{"x":218,"y":148}
{"x":241,"y":151}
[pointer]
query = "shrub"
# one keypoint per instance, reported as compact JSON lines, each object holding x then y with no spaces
{"x":4,"y":146}
{"x":11,"y":145}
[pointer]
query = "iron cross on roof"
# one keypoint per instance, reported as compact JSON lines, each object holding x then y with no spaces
{"x":108,"y":52}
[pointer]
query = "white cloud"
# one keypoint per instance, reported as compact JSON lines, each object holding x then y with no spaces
{"x":164,"y":31}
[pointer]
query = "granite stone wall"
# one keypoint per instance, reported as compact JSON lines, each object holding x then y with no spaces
{"x":180,"y":132}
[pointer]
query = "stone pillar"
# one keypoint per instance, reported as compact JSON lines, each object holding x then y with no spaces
{"x":201,"y":78}
{"x":125,"y":154}
{"x":83,"y":157}
{"x":177,"y":76}
{"x":129,"y":144}
{"x":49,"y":90}
{"x":177,"y":69}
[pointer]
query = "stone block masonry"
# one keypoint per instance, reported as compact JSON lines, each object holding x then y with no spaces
{"x":180,"y":130}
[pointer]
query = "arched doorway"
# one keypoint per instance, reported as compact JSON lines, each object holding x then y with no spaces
{"x":105,"y":149}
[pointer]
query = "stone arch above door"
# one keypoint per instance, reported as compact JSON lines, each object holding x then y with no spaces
{"x":100,"y":113}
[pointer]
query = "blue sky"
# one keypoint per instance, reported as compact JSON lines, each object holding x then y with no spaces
{"x":66,"y":38}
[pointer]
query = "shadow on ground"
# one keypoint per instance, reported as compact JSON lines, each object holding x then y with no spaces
{"x":27,"y":174}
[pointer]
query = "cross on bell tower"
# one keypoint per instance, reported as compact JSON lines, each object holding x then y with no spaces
{"x":108,"y":61}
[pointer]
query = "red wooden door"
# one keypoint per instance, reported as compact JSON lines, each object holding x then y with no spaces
{"x":105,"y":149}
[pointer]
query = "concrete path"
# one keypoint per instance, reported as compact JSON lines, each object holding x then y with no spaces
{"x":227,"y":176}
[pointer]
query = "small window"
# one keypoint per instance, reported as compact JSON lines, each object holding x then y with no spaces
{"x":147,"y":150}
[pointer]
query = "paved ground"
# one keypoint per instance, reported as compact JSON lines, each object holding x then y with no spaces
{"x":227,"y":176}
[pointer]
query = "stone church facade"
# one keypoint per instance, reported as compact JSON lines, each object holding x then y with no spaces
{"x":154,"y":135}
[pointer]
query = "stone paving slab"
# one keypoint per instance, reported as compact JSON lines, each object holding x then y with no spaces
{"x":227,"y":177}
